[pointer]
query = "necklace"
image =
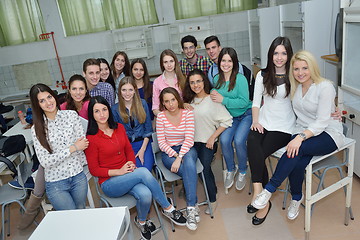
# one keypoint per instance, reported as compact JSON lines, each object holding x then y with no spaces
{"x":280,"y":75}
{"x":197,"y":103}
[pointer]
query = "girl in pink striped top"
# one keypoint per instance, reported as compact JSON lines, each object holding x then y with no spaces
{"x":175,"y":128}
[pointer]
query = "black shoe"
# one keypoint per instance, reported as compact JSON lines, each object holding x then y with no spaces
{"x":258,"y":221}
{"x":151,"y":226}
{"x":176,"y":217}
{"x":250,"y":209}
{"x":145,"y":231}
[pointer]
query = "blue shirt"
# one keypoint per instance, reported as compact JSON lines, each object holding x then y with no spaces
{"x":214,"y":70}
{"x":140,"y":130}
{"x":149,"y":100}
{"x":105,"y":90}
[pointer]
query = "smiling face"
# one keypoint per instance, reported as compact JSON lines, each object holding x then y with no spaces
{"x":196,"y":84}
{"x":301,"y":72}
{"x":226,"y":64}
{"x":168,"y":63}
{"x":280,"y":58}
{"x":77,"y":90}
{"x":127,"y":92}
{"x":92,"y":75}
{"x":170,"y":102}
{"x":47,"y":102}
{"x":119,"y":63}
{"x":101,"y":113}
{"x":189,"y":50}
{"x":104,"y":71}
{"x":213,"y":50}
{"x":138,"y":71}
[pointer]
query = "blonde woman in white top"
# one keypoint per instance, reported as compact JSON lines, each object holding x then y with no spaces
{"x":316,"y":132}
{"x":211,"y":119}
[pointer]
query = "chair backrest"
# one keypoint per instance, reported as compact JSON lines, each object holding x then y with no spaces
{"x":23,"y":170}
{"x":155,"y":143}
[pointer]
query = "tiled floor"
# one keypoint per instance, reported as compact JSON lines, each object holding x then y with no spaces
{"x":232,"y":222}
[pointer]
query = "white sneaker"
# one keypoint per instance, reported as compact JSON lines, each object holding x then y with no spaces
{"x":191,"y":220}
{"x":197,"y":213}
{"x":293,"y":209}
{"x":213,"y":207}
{"x":262,"y":199}
{"x":229,"y":180}
{"x":241,"y":181}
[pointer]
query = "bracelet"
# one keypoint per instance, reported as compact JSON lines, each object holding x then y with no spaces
{"x":76,"y":149}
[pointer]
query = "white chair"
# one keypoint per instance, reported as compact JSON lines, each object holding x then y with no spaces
{"x":130,"y":202}
{"x":319,"y":170}
{"x":165,"y":175}
{"x":10,"y":195}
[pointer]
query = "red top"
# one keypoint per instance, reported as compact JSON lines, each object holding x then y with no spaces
{"x":105,"y":153}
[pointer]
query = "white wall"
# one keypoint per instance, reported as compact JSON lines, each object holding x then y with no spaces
{"x":231,"y":28}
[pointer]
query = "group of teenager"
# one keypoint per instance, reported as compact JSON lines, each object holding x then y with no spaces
{"x":195,"y":103}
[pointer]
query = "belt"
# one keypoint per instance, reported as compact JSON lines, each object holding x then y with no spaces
{"x":138,"y":139}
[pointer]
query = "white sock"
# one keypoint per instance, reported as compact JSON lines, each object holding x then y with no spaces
{"x":170,"y":209}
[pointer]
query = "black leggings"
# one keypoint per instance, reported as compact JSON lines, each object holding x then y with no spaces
{"x":260,"y":146}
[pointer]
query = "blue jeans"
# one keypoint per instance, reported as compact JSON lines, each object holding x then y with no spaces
{"x":187,"y":171}
{"x":68,"y":194}
{"x":294,"y":167}
{"x":148,"y":155}
{"x":140,"y":184}
{"x":238,"y":134}
{"x":206,"y":156}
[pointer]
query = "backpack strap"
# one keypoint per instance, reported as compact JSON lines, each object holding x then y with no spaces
{"x":9,"y":164}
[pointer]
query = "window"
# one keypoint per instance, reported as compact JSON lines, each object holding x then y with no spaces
{"x":197,"y":8}
{"x":20,"y":22}
{"x":89,"y":16}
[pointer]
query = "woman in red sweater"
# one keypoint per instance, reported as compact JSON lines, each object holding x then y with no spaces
{"x":111,"y":158}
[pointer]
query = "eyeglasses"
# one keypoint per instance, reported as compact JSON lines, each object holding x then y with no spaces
{"x":189,"y":48}
{"x":196,"y":82}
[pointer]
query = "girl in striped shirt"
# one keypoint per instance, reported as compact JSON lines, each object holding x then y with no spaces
{"x":175,"y":131}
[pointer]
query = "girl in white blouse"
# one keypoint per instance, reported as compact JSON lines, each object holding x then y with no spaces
{"x":316,"y":132}
{"x":273,"y":117}
{"x":59,"y":141}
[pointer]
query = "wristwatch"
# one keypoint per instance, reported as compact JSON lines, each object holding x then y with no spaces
{"x":303,"y":136}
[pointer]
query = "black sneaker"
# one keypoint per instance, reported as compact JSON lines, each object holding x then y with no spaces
{"x":151,"y":226}
{"x":176,"y":217}
{"x":145,"y":231}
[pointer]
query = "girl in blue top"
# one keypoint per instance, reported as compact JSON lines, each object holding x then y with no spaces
{"x":231,"y":89}
{"x":133,"y":113}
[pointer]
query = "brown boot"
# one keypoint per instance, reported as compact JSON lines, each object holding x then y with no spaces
{"x":32,"y":210}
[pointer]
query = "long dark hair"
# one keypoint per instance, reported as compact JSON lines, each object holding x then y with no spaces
{"x":126,"y":69}
{"x":172,"y":91}
{"x":189,"y":94}
{"x":146,"y":79}
{"x":110,"y":78}
{"x":235,"y":70}
{"x":269,"y":72}
{"x":93,"y":127}
{"x":40,"y":122}
{"x":70,"y":103}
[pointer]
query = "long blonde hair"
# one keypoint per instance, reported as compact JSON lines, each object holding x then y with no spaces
{"x":179,"y":75}
{"x":313,"y":68}
{"x":137,"y":110}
